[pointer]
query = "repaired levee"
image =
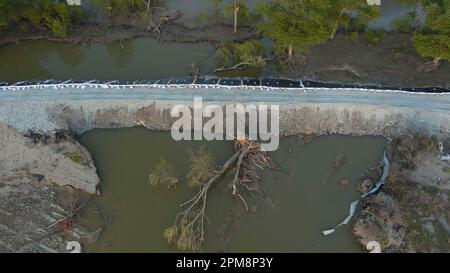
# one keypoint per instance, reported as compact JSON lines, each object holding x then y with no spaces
{"x":305,"y":118}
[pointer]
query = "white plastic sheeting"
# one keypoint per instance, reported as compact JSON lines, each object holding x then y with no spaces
{"x":354,"y":204}
{"x":112,"y":85}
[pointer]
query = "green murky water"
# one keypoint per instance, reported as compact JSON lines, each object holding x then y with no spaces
{"x":127,"y":60}
{"x":305,"y":196}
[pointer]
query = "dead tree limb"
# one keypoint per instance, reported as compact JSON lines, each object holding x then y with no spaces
{"x":147,"y":4}
{"x":71,"y":215}
{"x":233,"y":67}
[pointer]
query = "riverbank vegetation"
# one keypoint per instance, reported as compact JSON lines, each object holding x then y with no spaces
{"x":255,"y":33}
{"x":433,"y":40}
{"x":235,"y":56}
{"x":409,"y":214}
{"x":297,"y":25}
{"x":55,"y":16}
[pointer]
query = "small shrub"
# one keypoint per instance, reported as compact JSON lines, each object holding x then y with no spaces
{"x":163,"y":173}
{"x":404,"y":24}
{"x":250,"y":52}
{"x":373,"y":37}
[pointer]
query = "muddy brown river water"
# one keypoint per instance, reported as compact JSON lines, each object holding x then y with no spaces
{"x":305,"y":196}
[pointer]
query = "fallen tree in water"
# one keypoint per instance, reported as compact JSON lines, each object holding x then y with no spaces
{"x":188,"y":230}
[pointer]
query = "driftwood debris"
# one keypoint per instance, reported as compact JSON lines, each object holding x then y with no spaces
{"x":69,"y":217}
{"x":238,"y":66}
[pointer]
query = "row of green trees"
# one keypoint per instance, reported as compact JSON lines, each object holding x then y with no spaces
{"x":54,"y":15}
{"x":433,"y":40}
{"x":57,"y":16}
{"x":296,"y":25}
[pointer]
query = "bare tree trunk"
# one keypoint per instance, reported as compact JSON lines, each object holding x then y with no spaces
{"x":233,"y":67}
{"x":430,"y":66}
{"x":147,"y":4}
{"x":336,"y":26}
{"x":235,"y":9}
{"x":290,"y":52}
{"x":334,"y":30}
{"x":109,"y":8}
{"x":436,"y":61}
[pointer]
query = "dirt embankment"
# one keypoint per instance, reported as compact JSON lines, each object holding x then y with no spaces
{"x":35,"y":172}
{"x":411,"y":212}
{"x":54,"y":158}
{"x":171,"y":33}
{"x":308,"y":118}
{"x":392,"y":62}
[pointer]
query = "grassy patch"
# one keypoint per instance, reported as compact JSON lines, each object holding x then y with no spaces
{"x":398,"y":50}
{"x":74,"y":157}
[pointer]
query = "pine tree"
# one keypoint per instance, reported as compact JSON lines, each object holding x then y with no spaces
{"x":434,"y":39}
